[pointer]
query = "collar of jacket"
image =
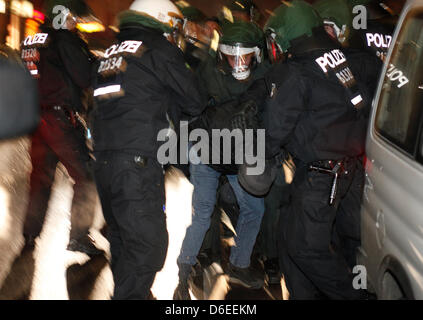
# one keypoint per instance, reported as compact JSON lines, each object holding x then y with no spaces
{"x":136,"y":31}
{"x":319,"y":41}
{"x":132,"y":18}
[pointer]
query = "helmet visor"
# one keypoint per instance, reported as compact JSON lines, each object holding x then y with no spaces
{"x":195,"y":34}
{"x":239,"y":58}
{"x":177,"y":35}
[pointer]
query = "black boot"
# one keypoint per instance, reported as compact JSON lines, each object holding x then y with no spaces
{"x":182,"y":290}
{"x":246,"y":277}
{"x":85,"y":244}
{"x":29,"y":242}
{"x":271,"y":270}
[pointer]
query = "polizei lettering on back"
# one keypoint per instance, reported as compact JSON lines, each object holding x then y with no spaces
{"x":113,"y":65}
{"x":378,"y":40}
{"x":129,"y":46}
{"x":331,"y":60}
{"x":39,"y":38}
{"x":336,"y":62}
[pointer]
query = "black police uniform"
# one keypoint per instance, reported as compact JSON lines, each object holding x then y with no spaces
{"x":140,"y":77}
{"x":318,"y":115}
{"x":376,"y":38}
{"x":365,"y":53}
{"x":61,"y":63}
{"x":19,"y":109}
{"x":366,"y":68}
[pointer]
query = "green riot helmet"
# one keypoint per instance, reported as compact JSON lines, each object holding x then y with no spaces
{"x":244,"y":10}
{"x":65,"y":14}
{"x":354,"y":3}
{"x":289,"y":21}
{"x":240,"y":48}
{"x":337,"y":17}
{"x":193,"y":25}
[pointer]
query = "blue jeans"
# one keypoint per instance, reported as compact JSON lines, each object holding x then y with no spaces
{"x":205,"y":181}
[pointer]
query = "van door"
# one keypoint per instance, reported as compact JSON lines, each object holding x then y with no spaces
{"x":392,"y":211}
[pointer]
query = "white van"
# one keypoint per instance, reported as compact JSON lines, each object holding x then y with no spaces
{"x":392,"y":210}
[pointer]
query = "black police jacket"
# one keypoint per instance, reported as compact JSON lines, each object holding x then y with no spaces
{"x":19,"y":109}
{"x":366,"y":68}
{"x":316,"y":111}
{"x":61,"y":62}
{"x":376,"y":38}
{"x":137,"y":81}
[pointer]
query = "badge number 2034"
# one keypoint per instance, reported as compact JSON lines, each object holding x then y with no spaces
{"x":112,"y":65}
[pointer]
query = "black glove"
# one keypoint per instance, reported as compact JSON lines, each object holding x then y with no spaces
{"x":246,"y":118}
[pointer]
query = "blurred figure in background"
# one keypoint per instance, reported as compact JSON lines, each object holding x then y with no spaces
{"x":197,"y":48}
{"x":376,"y":38}
{"x":61,"y":63}
{"x":196,"y":34}
{"x":244,"y":10}
{"x":138,"y":80}
{"x":19,"y":109}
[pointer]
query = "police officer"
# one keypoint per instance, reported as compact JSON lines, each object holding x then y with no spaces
{"x":60,"y":61}
{"x":197,"y":42}
{"x":366,"y":68}
{"x":137,"y":80}
{"x":316,"y":114}
{"x":376,"y":37}
{"x":19,"y":109}
{"x":224,"y":80}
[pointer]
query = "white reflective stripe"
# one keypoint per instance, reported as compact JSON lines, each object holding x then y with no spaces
{"x":235,"y":50}
{"x":357,"y":100}
{"x":106,"y":90}
{"x":34,"y":72}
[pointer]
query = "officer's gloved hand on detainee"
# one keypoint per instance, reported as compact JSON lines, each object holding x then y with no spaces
{"x":246,"y":118}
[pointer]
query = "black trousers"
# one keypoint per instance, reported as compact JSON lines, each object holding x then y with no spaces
{"x":132,"y":195}
{"x":56,"y":139}
{"x":310,"y":265}
{"x":275,"y":203}
{"x":347,"y":233}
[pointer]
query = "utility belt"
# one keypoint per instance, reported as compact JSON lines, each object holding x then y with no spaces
{"x":106,"y":157}
{"x":335,"y":168}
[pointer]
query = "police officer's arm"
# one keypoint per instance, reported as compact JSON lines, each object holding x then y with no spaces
{"x":185,"y":85}
{"x":76,"y":59}
{"x":283,"y":110}
{"x":258,"y":92}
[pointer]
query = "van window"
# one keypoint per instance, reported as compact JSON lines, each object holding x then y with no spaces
{"x":401,"y":102}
